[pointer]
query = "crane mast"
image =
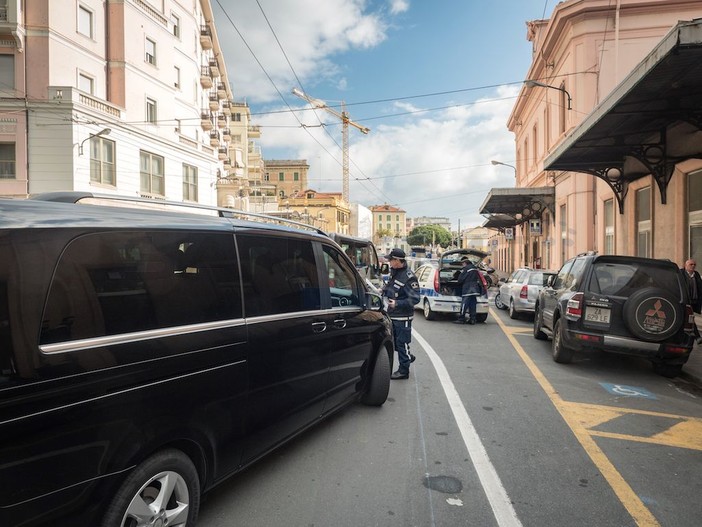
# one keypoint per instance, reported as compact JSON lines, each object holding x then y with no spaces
{"x":345,"y":122}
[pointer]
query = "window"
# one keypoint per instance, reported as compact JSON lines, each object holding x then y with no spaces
{"x":388,"y":219}
{"x":564,"y":232}
{"x":236,"y":117}
{"x":85,"y":21}
{"x":343,"y":286}
{"x":7,"y":72}
{"x":151,"y":113}
{"x":535,"y":142}
{"x":266,"y":177}
{"x":85,"y":83}
{"x":547,"y":129}
{"x":281,"y":176}
{"x":7,"y":161}
{"x":140,"y":281}
{"x":176,"y":25}
{"x":150,"y":51}
{"x":189,"y":182}
{"x":280,"y":275}
{"x":296,"y":176}
{"x":643,"y":222}
{"x":236,"y":138}
{"x":151,"y":172}
{"x":609,"y":226}
{"x":102,"y":161}
{"x":176,"y":77}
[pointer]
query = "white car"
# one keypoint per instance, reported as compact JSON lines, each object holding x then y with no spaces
{"x":439,"y":292}
{"x":520,"y":291}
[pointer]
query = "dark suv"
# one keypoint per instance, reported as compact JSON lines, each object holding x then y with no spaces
{"x":620,"y":304}
{"x":147,"y":355}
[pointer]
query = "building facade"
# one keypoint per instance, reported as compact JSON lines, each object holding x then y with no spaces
{"x":325,"y":210}
{"x":583,"y":185}
{"x":126,"y":97}
{"x":389,"y":227}
{"x":288,"y":175}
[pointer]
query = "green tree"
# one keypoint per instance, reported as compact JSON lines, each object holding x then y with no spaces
{"x":428,"y":234}
{"x":382,"y":233}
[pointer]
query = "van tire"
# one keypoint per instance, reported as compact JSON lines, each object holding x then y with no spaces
{"x":144,"y":485}
{"x":379,"y":382}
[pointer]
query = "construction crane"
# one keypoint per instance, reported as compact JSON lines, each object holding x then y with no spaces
{"x":345,"y":121}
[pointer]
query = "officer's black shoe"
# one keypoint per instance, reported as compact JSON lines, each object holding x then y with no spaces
{"x":459,"y":321}
{"x":471,"y":321}
{"x":399,"y":375}
{"x":412,"y":357}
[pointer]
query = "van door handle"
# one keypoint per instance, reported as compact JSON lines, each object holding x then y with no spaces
{"x":340,"y":323}
{"x":319,"y":327}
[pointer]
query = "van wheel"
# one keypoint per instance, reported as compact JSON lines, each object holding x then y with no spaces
{"x":379,"y":382}
{"x":538,"y":324}
{"x":163,"y":490}
{"x":667,"y":370}
{"x":561,"y":353}
{"x":428,"y":313}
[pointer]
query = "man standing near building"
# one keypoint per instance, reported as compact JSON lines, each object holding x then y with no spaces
{"x":402,"y":293}
{"x":694,"y":289}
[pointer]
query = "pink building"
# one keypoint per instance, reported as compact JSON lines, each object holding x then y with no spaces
{"x":127,"y":97}
{"x":607,"y":135}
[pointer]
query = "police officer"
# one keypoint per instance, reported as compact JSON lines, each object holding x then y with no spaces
{"x":402,"y":293}
{"x":471,"y":288}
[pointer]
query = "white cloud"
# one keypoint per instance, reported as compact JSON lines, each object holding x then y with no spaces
{"x":398,"y":6}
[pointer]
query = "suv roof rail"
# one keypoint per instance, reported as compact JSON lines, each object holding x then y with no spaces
{"x":588,"y":253}
{"x":222,"y":212}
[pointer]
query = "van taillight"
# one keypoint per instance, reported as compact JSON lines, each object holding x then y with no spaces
{"x":524,"y":293}
{"x":436,"y":281}
{"x":574,"y":308}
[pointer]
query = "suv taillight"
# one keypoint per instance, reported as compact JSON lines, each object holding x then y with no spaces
{"x":436,"y":281}
{"x":574,"y":308}
{"x":524,"y":293}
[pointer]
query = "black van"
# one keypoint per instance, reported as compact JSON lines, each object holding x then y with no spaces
{"x":148,"y":354}
{"x":363,"y":254}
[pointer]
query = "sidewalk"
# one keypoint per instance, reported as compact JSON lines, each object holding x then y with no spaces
{"x":693,"y":368}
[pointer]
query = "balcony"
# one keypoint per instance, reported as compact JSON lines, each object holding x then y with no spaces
{"x":206,"y":121}
{"x":221,"y":91}
{"x":214,"y":103}
{"x":221,"y":121}
{"x":222,"y":153}
{"x":254,"y":132}
{"x":214,"y":138}
{"x":205,"y":77}
{"x":227,"y":134}
{"x":226,"y":107}
{"x":214,"y":68}
{"x":206,"y":37}
{"x":227,"y":164}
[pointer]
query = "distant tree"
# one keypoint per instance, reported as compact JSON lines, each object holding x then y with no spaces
{"x":428,"y":234}
{"x":382,"y":233}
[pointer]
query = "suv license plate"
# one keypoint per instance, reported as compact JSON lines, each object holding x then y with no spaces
{"x":597,"y":314}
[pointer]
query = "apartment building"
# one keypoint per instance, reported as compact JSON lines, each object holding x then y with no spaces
{"x":325,"y":210}
{"x":389,"y":227}
{"x":288,"y":175}
{"x":127,"y":97}
{"x":606,"y":132}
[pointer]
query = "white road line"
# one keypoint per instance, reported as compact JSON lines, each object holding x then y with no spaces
{"x":496,"y":494}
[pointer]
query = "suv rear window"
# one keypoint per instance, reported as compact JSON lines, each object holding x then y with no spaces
{"x":622,"y":279}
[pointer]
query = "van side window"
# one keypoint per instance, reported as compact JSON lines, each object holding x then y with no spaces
{"x":343,"y":285}
{"x":122,"y":282}
{"x":279,"y":275}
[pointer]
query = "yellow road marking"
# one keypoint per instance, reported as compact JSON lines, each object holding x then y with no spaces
{"x":628,"y":498}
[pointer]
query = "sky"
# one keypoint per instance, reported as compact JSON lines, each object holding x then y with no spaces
{"x":434,"y":80}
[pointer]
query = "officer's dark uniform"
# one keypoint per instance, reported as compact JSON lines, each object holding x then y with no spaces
{"x":402,"y":287}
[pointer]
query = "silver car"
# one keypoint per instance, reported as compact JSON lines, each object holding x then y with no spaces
{"x":520,"y":291}
{"x":438,"y":287}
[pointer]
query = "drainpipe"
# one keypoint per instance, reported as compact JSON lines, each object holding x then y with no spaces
{"x":616,"y":44}
{"x":108,"y":84}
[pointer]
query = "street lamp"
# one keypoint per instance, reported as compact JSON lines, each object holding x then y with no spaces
{"x":532,"y":84}
{"x":104,"y":131}
{"x":505,"y":164}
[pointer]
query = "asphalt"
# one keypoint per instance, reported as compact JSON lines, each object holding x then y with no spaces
{"x":693,"y":368}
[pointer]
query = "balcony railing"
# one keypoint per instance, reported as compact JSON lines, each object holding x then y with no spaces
{"x":205,"y":37}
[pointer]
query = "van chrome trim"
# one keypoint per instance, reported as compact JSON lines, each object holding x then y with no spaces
{"x":137,"y":336}
{"x":300,"y":314}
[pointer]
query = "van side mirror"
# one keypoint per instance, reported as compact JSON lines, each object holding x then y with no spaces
{"x":374,"y":301}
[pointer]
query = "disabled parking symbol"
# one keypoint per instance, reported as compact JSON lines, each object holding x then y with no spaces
{"x":627,"y":391}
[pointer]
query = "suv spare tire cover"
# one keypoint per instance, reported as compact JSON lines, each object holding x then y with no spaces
{"x":653,"y":314}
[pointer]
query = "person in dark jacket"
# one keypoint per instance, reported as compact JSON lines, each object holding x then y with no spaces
{"x":694,"y":289}
{"x":471,"y":288}
{"x":402,"y":294}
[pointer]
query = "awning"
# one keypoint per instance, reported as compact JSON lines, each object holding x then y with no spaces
{"x":650,"y":122}
{"x":516,"y":204}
